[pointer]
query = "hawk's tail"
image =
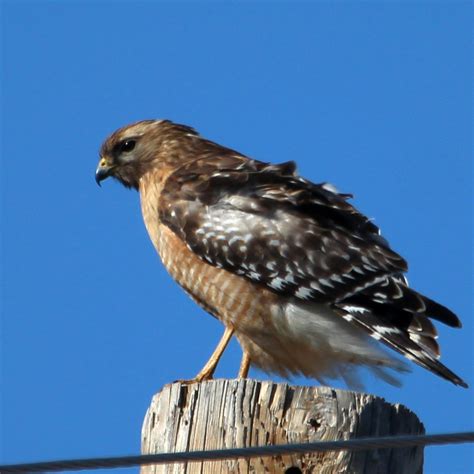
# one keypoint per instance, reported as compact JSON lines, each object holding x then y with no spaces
{"x":399,"y":317}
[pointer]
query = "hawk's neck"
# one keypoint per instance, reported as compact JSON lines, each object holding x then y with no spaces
{"x":150,"y":187}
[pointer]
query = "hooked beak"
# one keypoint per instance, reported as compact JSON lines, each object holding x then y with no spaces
{"x":103,"y":170}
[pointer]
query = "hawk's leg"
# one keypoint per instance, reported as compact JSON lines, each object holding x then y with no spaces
{"x":207,"y":371}
{"x":244,"y":366}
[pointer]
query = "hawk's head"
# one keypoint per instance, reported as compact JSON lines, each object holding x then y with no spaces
{"x":131,"y":151}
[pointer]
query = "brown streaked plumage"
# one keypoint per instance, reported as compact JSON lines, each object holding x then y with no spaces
{"x":301,"y":278}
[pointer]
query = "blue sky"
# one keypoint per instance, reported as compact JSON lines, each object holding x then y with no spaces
{"x":375,"y":97}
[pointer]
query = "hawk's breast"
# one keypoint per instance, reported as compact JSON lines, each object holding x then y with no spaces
{"x":229,"y":297}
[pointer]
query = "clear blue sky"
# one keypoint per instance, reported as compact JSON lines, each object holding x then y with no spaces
{"x":375,"y":97}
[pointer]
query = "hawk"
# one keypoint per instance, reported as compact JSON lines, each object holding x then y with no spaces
{"x":301,"y":278}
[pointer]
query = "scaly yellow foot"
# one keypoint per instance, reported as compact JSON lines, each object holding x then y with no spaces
{"x":207,"y":371}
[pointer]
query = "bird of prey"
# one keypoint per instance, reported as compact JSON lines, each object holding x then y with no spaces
{"x":300,"y":277}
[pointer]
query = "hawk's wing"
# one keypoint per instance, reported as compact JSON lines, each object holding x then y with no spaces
{"x":301,"y":239}
{"x":269,"y":225}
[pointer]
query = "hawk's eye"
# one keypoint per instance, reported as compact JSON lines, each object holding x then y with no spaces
{"x":127,"y":145}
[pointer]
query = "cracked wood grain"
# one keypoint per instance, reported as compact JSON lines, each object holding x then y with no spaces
{"x":237,"y":413}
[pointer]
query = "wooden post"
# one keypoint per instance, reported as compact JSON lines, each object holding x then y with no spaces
{"x":237,"y":413}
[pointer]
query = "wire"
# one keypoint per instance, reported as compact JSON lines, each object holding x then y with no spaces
{"x":402,"y":441}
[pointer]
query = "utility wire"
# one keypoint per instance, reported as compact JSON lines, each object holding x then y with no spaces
{"x":402,"y":441}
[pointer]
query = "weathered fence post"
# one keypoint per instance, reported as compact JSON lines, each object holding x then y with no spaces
{"x":237,"y":413}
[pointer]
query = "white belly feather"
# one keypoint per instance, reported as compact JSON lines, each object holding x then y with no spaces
{"x":312,"y":340}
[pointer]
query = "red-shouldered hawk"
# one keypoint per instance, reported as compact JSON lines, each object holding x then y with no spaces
{"x":301,"y":278}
